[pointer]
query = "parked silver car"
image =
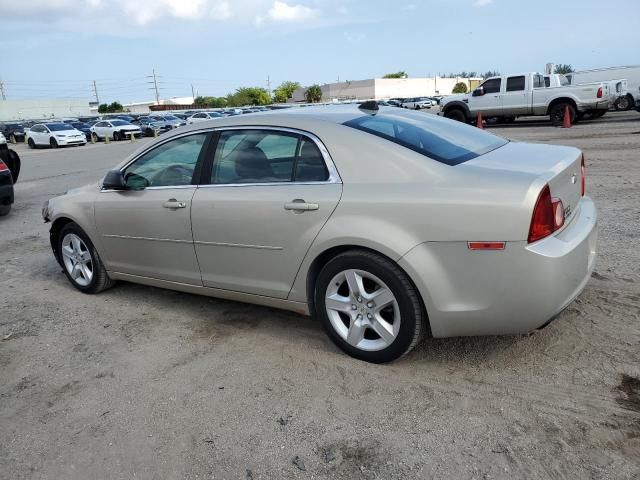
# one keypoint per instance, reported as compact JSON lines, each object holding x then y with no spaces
{"x":385,"y":224}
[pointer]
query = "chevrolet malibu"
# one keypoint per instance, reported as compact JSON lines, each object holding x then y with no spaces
{"x":383,"y":223}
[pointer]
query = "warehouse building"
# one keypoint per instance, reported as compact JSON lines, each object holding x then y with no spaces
{"x":43,"y":108}
{"x":385,"y":88}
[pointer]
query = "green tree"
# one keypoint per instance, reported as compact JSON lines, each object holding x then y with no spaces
{"x":563,"y":68}
{"x":249,"y":96}
{"x":115,"y":107}
{"x":399,"y":74}
{"x":103,"y":108}
{"x":459,"y":87}
{"x":313,"y":94}
{"x":285,"y":91}
{"x":211,"y":102}
{"x":490,"y":73}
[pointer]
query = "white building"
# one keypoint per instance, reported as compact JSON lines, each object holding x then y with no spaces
{"x":385,"y":88}
{"x":143,"y":107}
{"x":42,"y":108}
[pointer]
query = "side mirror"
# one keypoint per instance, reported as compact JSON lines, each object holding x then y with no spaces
{"x":478,"y":92}
{"x":114,"y":180}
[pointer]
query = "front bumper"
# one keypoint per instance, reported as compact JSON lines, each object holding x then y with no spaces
{"x":510,"y":291}
{"x":72,"y":141}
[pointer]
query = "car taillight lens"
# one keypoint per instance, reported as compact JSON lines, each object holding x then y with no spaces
{"x":599,"y":92}
{"x":583,"y":179}
{"x":3,"y":166}
{"x":548,"y":216}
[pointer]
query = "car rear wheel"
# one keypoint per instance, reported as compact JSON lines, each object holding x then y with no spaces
{"x":53,"y":143}
{"x":31,"y":143}
{"x":79,"y":258}
{"x":94,"y":136}
{"x":557,"y":114}
{"x":368,"y":306}
{"x":116,"y":136}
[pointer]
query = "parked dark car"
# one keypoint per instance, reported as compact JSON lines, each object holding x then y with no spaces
{"x":83,"y":127}
{"x":151,"y":127}
{"x":9,"y":172}
{"x":13,"y":132}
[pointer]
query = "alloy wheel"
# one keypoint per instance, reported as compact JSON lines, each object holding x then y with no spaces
{"x":362,"y":310}
{"x":77,"y":259}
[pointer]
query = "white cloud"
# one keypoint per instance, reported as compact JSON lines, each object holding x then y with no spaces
{"x":482,"y":3}
{"x":282,"y":12}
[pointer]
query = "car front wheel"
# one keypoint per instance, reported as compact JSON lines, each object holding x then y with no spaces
{"x":369,"y":307}
{"x":53,"y":143}
{"x":80,"y":260}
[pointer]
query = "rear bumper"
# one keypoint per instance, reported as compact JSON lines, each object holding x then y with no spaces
{"x":6,"y":188}
{"x":510,"y":291}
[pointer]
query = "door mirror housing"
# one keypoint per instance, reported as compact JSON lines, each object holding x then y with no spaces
{"x":114,"y":180}
{"x":478,"y":92}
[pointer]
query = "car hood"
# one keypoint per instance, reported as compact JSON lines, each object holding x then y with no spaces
{"x":452,"y":98}
{"x":90,"y":187}
{"x":128,"y":127}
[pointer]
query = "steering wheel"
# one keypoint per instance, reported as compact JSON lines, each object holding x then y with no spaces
{"x":173,"y":175}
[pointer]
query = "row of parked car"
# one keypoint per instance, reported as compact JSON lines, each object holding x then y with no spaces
{"x":78,"y":131}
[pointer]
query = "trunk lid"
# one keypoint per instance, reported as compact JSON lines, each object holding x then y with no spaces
{"x":560,"y":167}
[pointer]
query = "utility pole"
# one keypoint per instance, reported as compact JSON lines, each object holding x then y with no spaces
{"x":155,"y":86}
{"x":4,"y":97}
{"x":193,"y":92}
{"x":269,"y":85}
{"x":95,"y":92}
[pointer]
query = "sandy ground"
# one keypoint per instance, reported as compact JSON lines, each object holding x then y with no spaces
{"x":139,"y":382}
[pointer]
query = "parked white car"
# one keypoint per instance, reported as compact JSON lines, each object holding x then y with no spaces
{"x":203,"y":116}
{"x":54,"y":135}
{"x":417,"y":103}
{"x":114,"y":129}
{"x":524,"y":94}
{"x":3,"y":140}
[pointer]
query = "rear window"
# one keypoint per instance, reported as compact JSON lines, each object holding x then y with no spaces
{"x":442,"y":140}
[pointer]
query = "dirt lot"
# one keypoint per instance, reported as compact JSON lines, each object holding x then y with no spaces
{"x":144,"y":383}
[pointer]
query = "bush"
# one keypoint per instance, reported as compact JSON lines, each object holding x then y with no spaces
{"x":459,"y":87}
{"x":313,"y":94}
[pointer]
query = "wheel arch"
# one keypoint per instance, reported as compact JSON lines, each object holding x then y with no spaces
{"x":54,"y":235}
{"x":457,"y":105}
{"x":325,"y":256}
{"x":557,"y":101}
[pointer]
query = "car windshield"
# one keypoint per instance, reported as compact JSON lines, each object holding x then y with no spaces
{"x":445,"y":141}
{"x":170,"y":117}
{"x":214,"y":114}
{"x":13,"y":125}
{"x":58,"y":127}
{"x":118,"y":123}
{"x":80,"y":125}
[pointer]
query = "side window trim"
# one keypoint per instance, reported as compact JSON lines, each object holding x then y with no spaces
{"x":334,"y":176}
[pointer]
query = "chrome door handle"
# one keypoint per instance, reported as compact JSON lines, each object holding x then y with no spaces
{"x":299,"y":205}
{"x":173,"y":203}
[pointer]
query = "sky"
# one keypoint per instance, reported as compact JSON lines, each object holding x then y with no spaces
{"x":57,"y":48}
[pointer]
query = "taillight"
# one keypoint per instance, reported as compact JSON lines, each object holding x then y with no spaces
{"x":548,"y":216}
{"x":583,"y":180}
{"x":599,"y":92}
{"x":3,"y":166}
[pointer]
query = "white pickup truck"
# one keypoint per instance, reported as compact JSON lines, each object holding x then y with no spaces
{"x":509,"y":96}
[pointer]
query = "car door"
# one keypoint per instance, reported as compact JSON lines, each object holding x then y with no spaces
{"x":515,"y":100}
{"x":146,"y":229}
{"x":35,"y":133}
{"x":100,"y":128}
{"x":269,"y":193}
{"x":490,"y":102}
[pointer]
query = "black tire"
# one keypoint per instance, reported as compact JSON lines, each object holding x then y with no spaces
{"x":116,"y":136}
{"x":148,"y":132}
{"x":100,"y":280}
{"x":412,"y":315}
{"x":5,"y":209}
{"x":95,"y":137}
{"x":556,"y":114}
{"x":53,"y":143}
{"x":31,"y":143}
{"x":13,"y":162}
{"x":456,"y":114}
{"x":624,"y":103}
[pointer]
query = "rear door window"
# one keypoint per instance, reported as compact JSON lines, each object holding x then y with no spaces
{"x":515,"y":84}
